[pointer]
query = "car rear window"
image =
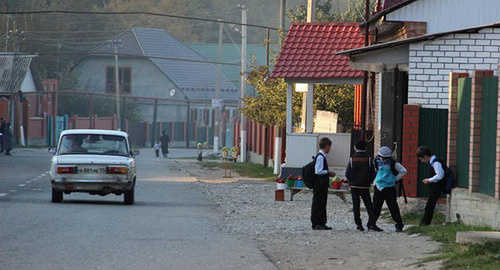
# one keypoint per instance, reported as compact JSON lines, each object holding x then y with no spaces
{"x":93,"y":144}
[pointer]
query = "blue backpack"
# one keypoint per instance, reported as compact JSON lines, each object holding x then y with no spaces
{"x":449,"y":178}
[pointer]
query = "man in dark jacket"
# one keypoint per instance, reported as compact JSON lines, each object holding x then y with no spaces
{"x":360,"y":172}
{"x":2,"y":134}
{"x":7,"y":139}
{"x":165,"y":141}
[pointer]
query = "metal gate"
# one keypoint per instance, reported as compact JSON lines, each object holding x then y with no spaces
{"x":433,"y":132}
{"x":488,"y":135}
{"x":61,"y":123}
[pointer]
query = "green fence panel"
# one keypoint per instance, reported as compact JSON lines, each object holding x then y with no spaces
{"x":433,"y":132}
{"x":463,"y":134}
{"x":488,"y":135}
{"x":202,"y":134}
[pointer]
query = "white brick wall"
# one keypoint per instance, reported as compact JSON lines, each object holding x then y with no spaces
{"x":431,"y":62}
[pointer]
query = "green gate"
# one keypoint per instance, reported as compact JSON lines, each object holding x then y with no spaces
{"x":433,"y":132}
{"x":463,"y":134}
{"x":488,"y":135}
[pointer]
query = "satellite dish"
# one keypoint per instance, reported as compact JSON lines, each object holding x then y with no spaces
{"x":172,"y":92}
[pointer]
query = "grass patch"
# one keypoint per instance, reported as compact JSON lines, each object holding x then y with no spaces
{"x":246,"y":169}
{"x":455,"y":256}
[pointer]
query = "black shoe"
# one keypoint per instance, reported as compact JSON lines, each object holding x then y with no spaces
{"x":360,"y":228}
{"x":321,"y":227}
{"x":375,"y":228}
{"x":399,"y":229}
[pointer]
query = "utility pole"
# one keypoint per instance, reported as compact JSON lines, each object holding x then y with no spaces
{"x":277,"y":139}
{"x":243,"y":142}
{"x":217,"y":96}
{"x":7,"y":34}
{"x":117,"y":86}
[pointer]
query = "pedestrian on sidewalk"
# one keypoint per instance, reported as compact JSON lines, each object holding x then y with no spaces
{"x":435,"y":181}
{"x":165,"y":141}
{"x":388,"y":172}
{"x":2,"y":133}
{"x":361,"y":172}
{"x":7,"y":139}
{"x":157,"y":148}
{"x":321,"y":182}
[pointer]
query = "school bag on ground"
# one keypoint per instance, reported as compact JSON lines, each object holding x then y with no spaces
{"x":449,"y":178}
{"x":309,"y":173}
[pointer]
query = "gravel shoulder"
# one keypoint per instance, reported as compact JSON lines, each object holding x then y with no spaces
{"x":282,"y":229}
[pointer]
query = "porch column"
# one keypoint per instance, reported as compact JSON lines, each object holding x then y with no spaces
{"x":289,"y":108}
{"x":475,"y":128}
{"x":411,"y":122}
{"x":309,"y":108}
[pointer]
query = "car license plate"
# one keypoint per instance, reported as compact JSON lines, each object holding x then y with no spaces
{"x":91,"y":170}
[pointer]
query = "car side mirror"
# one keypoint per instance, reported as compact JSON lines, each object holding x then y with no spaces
{"x":52,"y":151}
{"x":136,"y":152}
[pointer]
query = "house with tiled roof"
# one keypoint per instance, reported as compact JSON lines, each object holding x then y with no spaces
{"x":416,"y":47}
{"x":155,"y":65}
{"x":307,"y":57}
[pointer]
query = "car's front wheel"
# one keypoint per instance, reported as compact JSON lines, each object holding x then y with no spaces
{"x":57,"y":196}
{"x":128,"y":197}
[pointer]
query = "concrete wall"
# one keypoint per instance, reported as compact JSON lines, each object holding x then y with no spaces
{"x":431,"y":63}
{"x":474,"y":208}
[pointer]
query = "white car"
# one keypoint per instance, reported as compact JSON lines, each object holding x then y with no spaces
{"x":98,"y":162}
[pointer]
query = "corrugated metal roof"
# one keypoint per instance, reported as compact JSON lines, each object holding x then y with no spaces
{"x":309,"y":51}
{"x":13,"y":69}
{"x":196,"y":79}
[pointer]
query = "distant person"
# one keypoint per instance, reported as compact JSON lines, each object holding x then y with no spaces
{"x":361,"y":172}
{"x":157,"y":148}
{"x":322,"y":180}
{"x":388,"y":172}
{"x":7,"y":139}
{"x":2,"y":132}
{"x":76,"y":145}
{"x":165,"y":141}
{"x":435,"y":181}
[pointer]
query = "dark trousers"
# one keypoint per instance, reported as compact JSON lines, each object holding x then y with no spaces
{"x":157,"y":152}
{"x":318,"y":209}
{"x":389,"y":196}
{"x":1,"y":144}
{"x":164,"y":150}
{"x":367,"y":200}
{"x":435,"y":191}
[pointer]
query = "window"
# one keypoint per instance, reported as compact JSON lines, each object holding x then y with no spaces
{"x":124,"y":76}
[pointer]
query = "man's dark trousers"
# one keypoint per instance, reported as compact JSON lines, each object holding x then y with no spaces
{"x":318,"y":211}
{"x":356,"y":203}
{"x":389,"y":196}
{"x":435,"y":191}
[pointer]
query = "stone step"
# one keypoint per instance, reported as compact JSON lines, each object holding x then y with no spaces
{"x":477,"y":237}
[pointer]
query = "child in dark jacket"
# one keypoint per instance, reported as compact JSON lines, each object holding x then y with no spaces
{"x":360,"y":172}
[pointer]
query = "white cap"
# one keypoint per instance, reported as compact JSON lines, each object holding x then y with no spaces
{"x":385,"y":152}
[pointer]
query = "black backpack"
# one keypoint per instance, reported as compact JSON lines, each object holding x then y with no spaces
{"x":449,"y":178}
{"x":309,"y":173}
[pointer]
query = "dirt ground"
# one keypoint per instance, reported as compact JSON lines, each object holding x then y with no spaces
{"x":283,"y":232}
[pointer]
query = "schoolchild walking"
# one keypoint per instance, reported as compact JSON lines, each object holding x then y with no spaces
{"x":360,"y":172}
{"x":157,"y":148}
{"x":435,"y":181}
{"x":388,"y":172}
{"x":322,"y":180}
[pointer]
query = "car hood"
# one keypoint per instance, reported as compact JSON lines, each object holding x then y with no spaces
{"x":91,"y":159}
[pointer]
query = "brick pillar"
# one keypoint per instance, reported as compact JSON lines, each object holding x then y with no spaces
{"x":475,"y":127}
{"x":497,"y":162}
{"x":411,"y":117}
{"x":453,"y":119}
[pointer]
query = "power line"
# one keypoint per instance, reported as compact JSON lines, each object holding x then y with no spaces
{"x":129,"y":13}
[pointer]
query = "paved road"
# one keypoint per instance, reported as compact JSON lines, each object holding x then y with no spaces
{"x":169,"y":227}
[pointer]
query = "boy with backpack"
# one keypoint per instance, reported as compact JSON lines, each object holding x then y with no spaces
{"x":389,"y":172}
{"x":321,"y":182}
{"x":360,"y":172}
{"x":435,"y":182}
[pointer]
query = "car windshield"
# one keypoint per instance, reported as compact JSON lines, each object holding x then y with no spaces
{"x":94,"y":144}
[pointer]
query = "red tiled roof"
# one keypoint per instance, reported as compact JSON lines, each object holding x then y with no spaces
{"x":309,"y":51}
